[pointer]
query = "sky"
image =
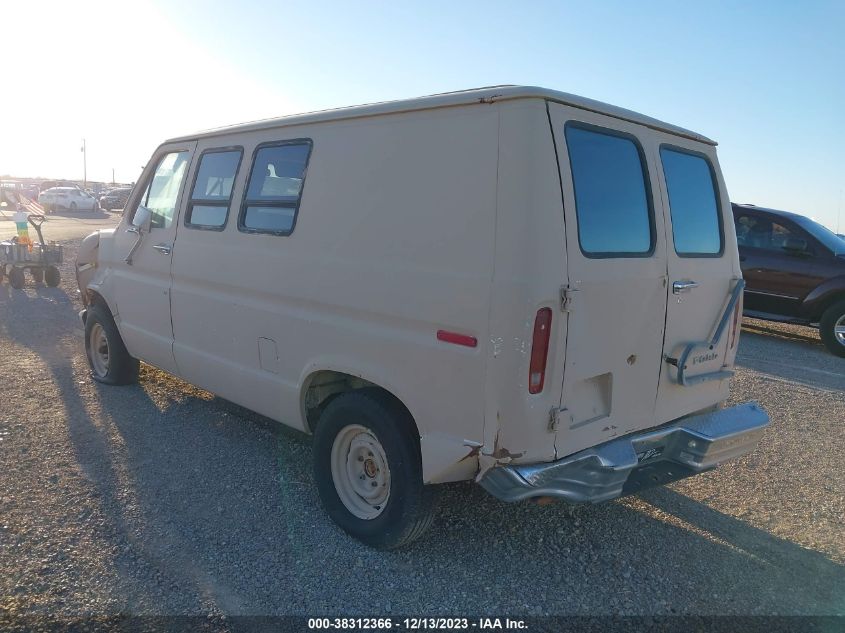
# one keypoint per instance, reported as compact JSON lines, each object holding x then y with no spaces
{"x":764,"y":79}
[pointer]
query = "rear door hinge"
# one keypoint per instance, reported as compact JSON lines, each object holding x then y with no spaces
{"x":567,"y":297}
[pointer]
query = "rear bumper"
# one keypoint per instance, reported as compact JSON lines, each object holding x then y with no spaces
{"x":635,"y":462}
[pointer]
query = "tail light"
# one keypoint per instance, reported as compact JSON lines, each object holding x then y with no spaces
{"x":539,"y":350}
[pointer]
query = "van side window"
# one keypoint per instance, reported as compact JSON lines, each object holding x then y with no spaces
{"x":212,"y":192}
{"x":274,"y":190}
{"x":693,"y":203}
{"x":612,"y":201}
{"x":162,"y":192}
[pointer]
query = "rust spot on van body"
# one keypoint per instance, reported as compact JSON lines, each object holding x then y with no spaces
{"x":500,"y":452}
{"x":473,"y":452}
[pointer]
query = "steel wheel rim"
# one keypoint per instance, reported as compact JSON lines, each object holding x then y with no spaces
{"x":98,"y":347}
{"x":360,"y":472}
{"x":839,"y":330}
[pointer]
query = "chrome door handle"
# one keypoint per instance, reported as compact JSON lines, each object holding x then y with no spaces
{"x":683,"y":286}
{"x":164,"y":249}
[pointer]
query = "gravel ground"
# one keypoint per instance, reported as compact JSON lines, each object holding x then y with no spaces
{"x":161,"y":499}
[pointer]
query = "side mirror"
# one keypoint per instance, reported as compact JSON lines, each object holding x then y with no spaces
{"x":142,"y":216}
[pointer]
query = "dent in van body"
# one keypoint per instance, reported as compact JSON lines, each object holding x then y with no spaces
{"x":86,"y":264}
{"x":92,"y":270}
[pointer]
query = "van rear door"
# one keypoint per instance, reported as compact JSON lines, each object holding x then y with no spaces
{"x":616,"y":259}
{"x":705,"y":288}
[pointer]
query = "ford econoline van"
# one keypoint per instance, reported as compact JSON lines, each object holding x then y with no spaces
{"x":511,"y":285}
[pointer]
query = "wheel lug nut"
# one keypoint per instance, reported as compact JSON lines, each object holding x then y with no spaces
{"x":360,"y":459}
{"x":374,"y":484}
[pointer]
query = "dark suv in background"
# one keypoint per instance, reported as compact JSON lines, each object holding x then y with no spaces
{"x":794,"y":270}
{"x":115,"y":199}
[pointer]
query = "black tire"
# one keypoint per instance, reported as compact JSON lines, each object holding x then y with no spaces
{"x":833,"y":315}
{"x":121,"y":368}
{"x":52,"y":276}
{"x":409,"y":509}
{"x":16,"y":278}
{"x":37,"y":275}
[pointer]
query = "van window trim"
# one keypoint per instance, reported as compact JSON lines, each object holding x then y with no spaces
{"x":214,"y":203}
{"x":647,"y":182}
{"x":245,"y":202}
{"x":714,"y":181}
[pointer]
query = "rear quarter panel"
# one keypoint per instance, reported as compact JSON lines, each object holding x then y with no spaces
{"x":530,"y":268}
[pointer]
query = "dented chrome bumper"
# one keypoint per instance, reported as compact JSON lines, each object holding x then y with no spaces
{"x":635,"y":462}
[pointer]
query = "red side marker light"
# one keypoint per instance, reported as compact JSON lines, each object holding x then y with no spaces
{"x":457,"y":339}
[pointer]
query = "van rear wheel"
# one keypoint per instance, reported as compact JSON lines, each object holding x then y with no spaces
{"x":368,"y":469}
{"x":108,"y":358}
{"x":832,"y":328}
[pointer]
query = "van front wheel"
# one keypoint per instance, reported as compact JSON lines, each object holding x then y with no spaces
{"x":107,"y":355}
{"x":832,"y":328}
{"x":368,"y":469}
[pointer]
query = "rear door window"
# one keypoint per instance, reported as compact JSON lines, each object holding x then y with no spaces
{"x":612,"y":201}
{"x":693,"y":203}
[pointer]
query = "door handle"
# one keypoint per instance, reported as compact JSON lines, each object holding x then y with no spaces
{"x":164,"y":249}
{"x":133,"y":229}
{"x":683,"y":286}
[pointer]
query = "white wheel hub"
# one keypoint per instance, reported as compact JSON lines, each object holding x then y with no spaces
{"x":360,"y":472}
{"x":98,"y":345}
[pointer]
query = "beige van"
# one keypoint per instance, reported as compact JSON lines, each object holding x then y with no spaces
{"x":514,"y":285}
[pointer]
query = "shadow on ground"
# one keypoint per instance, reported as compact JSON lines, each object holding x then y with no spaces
{"x":791,"y":353}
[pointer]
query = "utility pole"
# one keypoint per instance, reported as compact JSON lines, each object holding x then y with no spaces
{"x":84,"y":166}
{"x":112,"y":175}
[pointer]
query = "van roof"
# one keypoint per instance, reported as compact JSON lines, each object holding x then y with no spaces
{"x":489,"y":94}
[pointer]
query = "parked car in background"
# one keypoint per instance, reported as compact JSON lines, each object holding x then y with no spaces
{"x":794,"y":270}
{"x":114,"y":199}
{"x":69,"y":198}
